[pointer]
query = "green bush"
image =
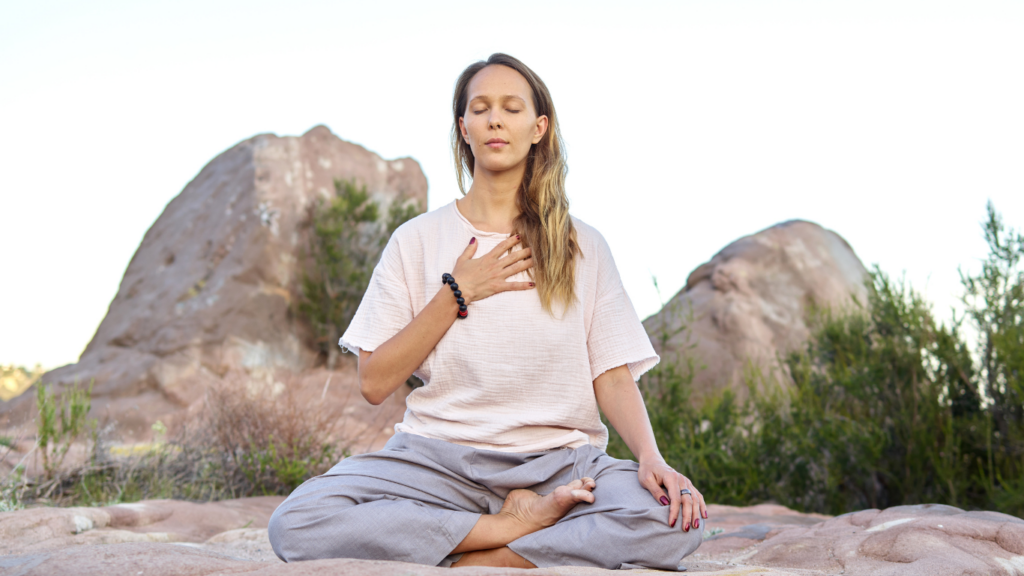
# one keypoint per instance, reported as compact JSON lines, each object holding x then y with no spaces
{"x":62,"y":419}
{"x":885,"y":406}
{"x":347,"y":235}
{"x":994,"y":300}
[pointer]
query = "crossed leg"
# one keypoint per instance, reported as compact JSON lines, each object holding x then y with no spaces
{"x":426,"y":501}
{"x":523,"y":512}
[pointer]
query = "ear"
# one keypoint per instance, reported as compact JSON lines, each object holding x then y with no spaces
{"x":542,"y":128}
{"x":462,"y":128}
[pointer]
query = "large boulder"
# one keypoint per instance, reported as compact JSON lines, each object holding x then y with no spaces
{"x":748,"y":305}
{"x":210,"y":290}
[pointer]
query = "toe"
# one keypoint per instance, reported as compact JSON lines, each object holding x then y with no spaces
{"x":583,"y":496}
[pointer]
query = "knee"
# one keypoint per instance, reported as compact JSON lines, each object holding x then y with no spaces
{"x":309,"y":527}
{"x":289,"y":534}
{"x":673,"y":542}
{"x":281,"y":534}
{"x":690,"y":540}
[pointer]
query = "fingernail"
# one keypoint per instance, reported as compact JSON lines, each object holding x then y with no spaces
{"x":472,"y":240}
{"x":686,"y":528}
{"x":673,"y":524}
{"x":532,"y":284}
{"x":517,"y":236}
{"x":663,"y":500}
{"x":705,"y":515}
{"x":696,"y":523}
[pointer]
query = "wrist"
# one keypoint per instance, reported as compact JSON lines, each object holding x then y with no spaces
{"x":467,"y":291}
{"x":460,"y":301}
{"x":650,"y":456}
{"x":444,"y":296}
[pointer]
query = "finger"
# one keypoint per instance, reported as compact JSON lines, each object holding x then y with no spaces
{"x":687,"y":503}
{"x":504,"y":286}
{"x":515,"y":256}
{"x":518,"y":267}
{"x":652,"y":486}
{"x":699,"y":508}
{"x":672,"y":485}
{"x":505,"y":246}
{"x":701,"y":504}
{"x":469,"y":251}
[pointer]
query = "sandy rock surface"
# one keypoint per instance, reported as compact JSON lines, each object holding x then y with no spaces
{"x":209,"y":292}
{"x":750,"y":300}
{"x":927,"y":539}
{"x":161,"y":537}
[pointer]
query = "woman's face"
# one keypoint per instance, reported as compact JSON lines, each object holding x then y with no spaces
{"x":500,"y":122}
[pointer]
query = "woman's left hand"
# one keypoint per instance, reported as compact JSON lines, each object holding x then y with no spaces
{"x":655,"y":474}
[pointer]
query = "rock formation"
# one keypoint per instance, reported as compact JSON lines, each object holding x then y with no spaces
{"x":165,"y":537}
{"x":210,"y":289}
{"x":926,"y":539}
{"x":749,"y":302}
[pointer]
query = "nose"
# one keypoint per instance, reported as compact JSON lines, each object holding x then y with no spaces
{"x":494,"y":120}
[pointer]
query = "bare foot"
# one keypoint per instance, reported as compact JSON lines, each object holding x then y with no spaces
{"x":522,"y":513}
{"x":536,"y":512}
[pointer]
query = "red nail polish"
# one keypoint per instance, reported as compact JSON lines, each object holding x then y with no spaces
{"x":532,"y":284}
{"x":705,"y":515}
{"x":687,"y":527}
{"x":472,"y":240}
{"x":673,"y":524}
{"x":696,"y":523}
{"x":517,"y":236}
{"x":664,"y":501}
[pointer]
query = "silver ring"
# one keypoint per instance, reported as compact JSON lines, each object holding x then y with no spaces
{"x":685,"y":492}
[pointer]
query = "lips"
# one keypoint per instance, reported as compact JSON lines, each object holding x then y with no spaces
{"x":496,"y":143}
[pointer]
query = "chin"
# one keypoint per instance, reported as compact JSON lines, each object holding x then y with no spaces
{"x":496,"y":165}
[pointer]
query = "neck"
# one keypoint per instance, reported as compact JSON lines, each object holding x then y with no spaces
{"x":490,"y":203}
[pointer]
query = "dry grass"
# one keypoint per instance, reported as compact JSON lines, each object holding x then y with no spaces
{"x":243,"y":440}
{"x":268,"y":440}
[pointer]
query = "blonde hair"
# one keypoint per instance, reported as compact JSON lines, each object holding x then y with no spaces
{"x":543,"y":222}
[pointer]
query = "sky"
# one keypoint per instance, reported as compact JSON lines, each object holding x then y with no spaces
{"x":688,"y":124}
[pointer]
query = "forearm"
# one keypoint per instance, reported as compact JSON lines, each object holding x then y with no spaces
{"x":623,"y":405}
{"x":386,"y":368}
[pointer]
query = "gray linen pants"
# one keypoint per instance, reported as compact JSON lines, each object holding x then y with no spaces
{"x":418,"y":498}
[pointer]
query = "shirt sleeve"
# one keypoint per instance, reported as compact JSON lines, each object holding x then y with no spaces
{"x":616,"y":335}
{"x":386,"y":306}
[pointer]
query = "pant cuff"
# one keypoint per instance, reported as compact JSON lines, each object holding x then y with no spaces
{"x":455,"y":528}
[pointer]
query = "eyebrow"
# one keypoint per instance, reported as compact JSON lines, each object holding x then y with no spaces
{"x":505,"y":97}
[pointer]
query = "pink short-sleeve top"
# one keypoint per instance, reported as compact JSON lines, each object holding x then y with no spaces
{"x":510,"y":376}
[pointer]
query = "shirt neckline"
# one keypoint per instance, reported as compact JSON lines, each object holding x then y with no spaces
{"x":473,"y":229}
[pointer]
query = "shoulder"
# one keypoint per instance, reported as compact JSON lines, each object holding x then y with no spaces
{"x":416,"y":231}
{"x":590,"y":240}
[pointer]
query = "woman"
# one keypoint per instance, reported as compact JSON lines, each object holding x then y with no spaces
{"x":513,"y":314}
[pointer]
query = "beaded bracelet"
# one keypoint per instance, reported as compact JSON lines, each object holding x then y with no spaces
{"x":447,"y":278}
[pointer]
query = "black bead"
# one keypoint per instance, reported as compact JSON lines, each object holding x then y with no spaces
{"x":458,"y":293}
{"x":444,"y":279}
{"x":462,"y":308}
{"x":460,"y":300}
{"x":454,"y":285}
